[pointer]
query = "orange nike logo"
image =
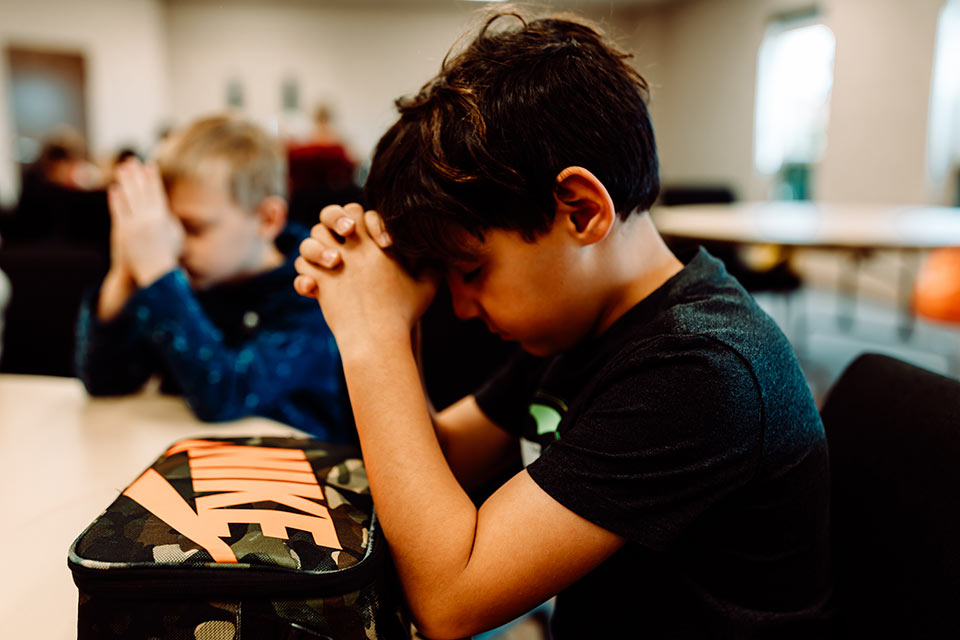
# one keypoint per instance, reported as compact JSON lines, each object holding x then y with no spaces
{"x":238,"y":475}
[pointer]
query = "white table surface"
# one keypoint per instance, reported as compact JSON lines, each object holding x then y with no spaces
{"x":814,"y":224}
{"x":64,"y":457}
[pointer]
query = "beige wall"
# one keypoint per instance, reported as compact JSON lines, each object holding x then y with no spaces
{"x":705,"y":61}
{"x":151,"y":61}
{"x":124,"y":47}
{"x":876,"y":149}
{"x":357,"y":60}
{"x":157,"y":62}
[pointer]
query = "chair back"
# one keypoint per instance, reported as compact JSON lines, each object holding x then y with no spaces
{"x":894,"y":436}
{"x":47,"y":282}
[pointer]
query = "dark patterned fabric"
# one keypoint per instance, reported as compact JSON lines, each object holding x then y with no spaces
{"x":254,"y":347}
{"x":230,"y":538}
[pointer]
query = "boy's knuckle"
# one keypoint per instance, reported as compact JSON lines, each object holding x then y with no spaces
{"x":330,"y":213}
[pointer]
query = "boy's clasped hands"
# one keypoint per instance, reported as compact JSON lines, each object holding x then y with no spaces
{"x":362,"y":291}
{"x":146,"y":240}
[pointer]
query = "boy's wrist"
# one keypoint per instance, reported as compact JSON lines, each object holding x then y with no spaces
{"x":363,"y":349}
{"x":119,"y":272}
{"x":148,"y":273}
{"x":117,"y":287}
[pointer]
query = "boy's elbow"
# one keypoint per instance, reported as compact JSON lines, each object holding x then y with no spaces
{"x":210,"y":409}
{"x":96,"y":391}
{"x":438,"y":628}
{"x":232,"y":401}
{"x":101,"y":388}
{"x":442,"y":619}
{"x":208,"y":412}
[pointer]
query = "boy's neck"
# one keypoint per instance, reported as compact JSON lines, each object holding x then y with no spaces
{"x":642,"y":263}
{"x":273,"y":258}
{"x":270,"y":258}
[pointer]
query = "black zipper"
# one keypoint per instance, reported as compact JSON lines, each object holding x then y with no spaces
{"x":164,"y":582}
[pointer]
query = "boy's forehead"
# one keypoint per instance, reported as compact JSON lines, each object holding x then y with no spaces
{"x":200,"y":196}
{"x":469,"y":249}
{"x":212,"y":173}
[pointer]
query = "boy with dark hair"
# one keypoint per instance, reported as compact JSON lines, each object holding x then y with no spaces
{"x":681,"y":486}
{"x":198,"y":287}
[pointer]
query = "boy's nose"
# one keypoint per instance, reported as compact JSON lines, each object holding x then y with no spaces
{"x":464,"y":303}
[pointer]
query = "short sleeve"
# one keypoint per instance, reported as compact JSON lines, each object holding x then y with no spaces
{"x":659,"y":441}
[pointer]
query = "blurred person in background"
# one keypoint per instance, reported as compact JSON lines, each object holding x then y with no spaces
{"x":199,"y":287}
{"x":321,"y":171}
{"x":57,"y":238}
{"x":61,"y":196}
{"x":323,"y":131}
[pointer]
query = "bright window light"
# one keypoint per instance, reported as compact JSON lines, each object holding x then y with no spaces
{"x":943,"y":137}
{"x":794,"y":79}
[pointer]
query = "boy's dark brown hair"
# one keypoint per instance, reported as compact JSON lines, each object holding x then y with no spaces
{"x":480,"y":145}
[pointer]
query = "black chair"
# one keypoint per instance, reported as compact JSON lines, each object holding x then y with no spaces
{"x":47,"y":281}
{"x":894,"y":436}
{"x":672,"y":195}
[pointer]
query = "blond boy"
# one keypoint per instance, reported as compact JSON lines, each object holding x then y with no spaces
{"x":199,"y":287}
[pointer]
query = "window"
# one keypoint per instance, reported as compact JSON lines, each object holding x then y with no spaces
{"x":794,"y":79}
{"x":943,"y":136}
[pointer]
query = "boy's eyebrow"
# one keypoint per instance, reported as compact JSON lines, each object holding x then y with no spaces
{"x":186,"y":217}
{"x":463,"y":265}
{"x":469,"y":257}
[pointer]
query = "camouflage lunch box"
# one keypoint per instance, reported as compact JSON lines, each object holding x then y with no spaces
{"x":223,"y":539}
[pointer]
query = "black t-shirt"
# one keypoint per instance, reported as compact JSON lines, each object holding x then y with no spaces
{"x":687,"y":428}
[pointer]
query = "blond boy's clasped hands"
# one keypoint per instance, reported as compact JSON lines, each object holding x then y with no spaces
{"x":146,"y":239}
{"x":362,"y":291}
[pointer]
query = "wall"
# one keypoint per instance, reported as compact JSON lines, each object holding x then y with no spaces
{"x":124,"y":47}
{"x":357,"y":60}
{"x":151,"y":61}
{"x":876,"y":149}
{"x":357,"y":57}
{"x":706,"y":64}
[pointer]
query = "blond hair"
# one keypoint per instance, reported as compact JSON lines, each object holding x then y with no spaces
{"x":253,"y":162}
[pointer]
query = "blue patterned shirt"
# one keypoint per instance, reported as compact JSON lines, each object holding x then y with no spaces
{"x":249,"y":348}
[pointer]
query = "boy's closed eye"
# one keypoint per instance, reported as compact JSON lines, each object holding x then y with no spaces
{"x":192,"y":228}
{"x":469,"y":274}
{"x":472,"y":274}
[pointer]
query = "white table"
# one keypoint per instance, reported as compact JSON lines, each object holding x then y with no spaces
{"x":855,"y":229}
{"x":811,"y":224}
{"x":64,"y":457}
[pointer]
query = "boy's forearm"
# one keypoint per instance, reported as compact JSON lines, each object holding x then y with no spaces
{"x":427,"y":517}
{"x":117,"y":288}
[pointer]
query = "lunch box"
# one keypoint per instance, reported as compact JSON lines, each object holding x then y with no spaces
{"x":231,"y":538}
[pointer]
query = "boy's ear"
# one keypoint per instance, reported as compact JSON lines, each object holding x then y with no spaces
{"x":584,"y":205}
{"x":272,"y":213}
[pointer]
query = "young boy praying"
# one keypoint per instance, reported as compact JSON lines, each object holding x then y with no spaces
{"x":676,"y":484}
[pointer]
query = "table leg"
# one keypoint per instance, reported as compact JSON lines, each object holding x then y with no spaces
{"x":905,"y":282}
{"x":847,"y":286}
